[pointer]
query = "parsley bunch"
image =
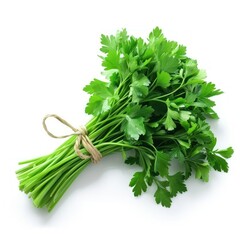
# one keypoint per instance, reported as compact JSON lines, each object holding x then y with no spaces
{"x":155,"y":101}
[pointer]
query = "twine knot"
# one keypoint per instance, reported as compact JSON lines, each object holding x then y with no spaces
{"x":82,"y":138}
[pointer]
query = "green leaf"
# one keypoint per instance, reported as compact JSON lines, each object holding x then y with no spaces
{"x":169,"y":123}
{"x":139,"y":87}
{"x":156,"y":34}
{"x":190,"y":68}
{"x":136,"y":110}
{"x":102,"y":97}
{"x":108,"y":43}
{"x":226,"y":153}
{"x":179,"y":155}
{"x":138,"y":183}
{"x":188,"y":169}
{"x":163,"y":196}
{"x":97,"y":105}
{"x":198,"y":156}
{"x":184,"y":115}
{"x":132,"y":62}
{"x":162,"y":163}
{"x":128,"y":45}
{"x":163,"y":79}
{"x":211,"y":113}
{"x":166,"y":47}
{"x":212,"y":144}
{"x":168,"y":63}
{"x":131,"y":160}
{"x":180,"y":51}
{"x":133,"y":127}
{"x":206,"y":102}
{"x":209,"y":90}
{"x":149,"y":180}
{"x":176,"y":184}
{"x":112,"y":60}
{"x":202,"y":171}
{"x":99,"y":88}
{"x":197,"y":79}
{"x":218,"y":163}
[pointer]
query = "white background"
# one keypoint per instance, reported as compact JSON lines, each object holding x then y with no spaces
{"x":48,"y":53}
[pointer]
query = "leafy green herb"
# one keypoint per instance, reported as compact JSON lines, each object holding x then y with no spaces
{"x":153,"y":100}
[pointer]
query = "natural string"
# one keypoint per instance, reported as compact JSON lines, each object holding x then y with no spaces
{"x":82,"y":138}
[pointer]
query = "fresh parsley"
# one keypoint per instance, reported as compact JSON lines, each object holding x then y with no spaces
{"x":153,"y":100}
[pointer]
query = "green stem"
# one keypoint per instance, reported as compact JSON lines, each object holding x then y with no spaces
{"x":168,"y":94}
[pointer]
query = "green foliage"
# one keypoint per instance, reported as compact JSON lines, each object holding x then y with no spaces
{"x":163,"y":79}
{"x":138,"y":183}
{"x":163,"y":196}
{"x":176,"y":184}
{"x":133,"y":127}
{"x":155,"y":101}
{"x":139,"y":87}
{"x":162,"y":163}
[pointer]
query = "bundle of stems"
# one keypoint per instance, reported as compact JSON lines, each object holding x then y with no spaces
{"x":47,"y":178}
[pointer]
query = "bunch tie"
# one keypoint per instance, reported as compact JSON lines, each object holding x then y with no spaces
{"x":82,"y":138}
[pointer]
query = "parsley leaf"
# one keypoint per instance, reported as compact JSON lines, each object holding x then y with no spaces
{"x":139,"y":87}
{"x":176,"y":184}
{"x":168,"y":63}
{"x":218,"y":163}
{"x":136,"y":110}
{"x":102,"y":97}
{"x":99,"y":88}
{"x":190,"y":68}
{"x":138,"y":183}
{"x":202,"y":171}
{"x":169,"y":123}
{"x":97,"y":105}
{"x":108,"y":43}
{"x":226,"y":153}
{"x":163,"y":79}
{"x":163,"y":196}
{"x":133,"y":127}
{"x":112,"y":60}
{"x":162,"y":163}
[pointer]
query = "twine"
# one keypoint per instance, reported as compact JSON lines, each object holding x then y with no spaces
{"x":82,"y":138}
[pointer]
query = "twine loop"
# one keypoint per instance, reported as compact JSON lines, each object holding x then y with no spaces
{"x":82,"y":138}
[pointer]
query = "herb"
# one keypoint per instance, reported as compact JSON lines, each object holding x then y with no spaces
{"x":153,"y":100}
